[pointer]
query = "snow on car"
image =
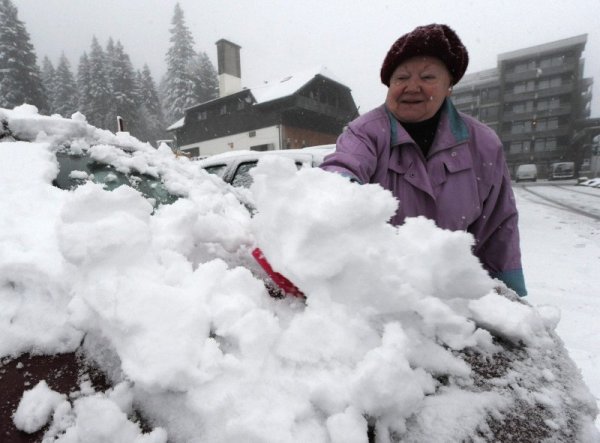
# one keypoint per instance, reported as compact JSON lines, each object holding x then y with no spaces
{"x":592,"y":183}
{"x":402,"y":336}
{"x":234,"y":167}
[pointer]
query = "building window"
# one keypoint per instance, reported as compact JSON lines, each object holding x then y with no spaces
{"x":552,"y":61}
{"x":192,"y":152}
{"x":263,"y":147}
{"x":526,"y":66}
{"x":468,"y":111}
{"x":202,"y":115}
{"x":553,"y":82}
{"x":223,"y":110}
{"x":490,"y":113}
{"x":493,"y":93}
{"x":520,"y":127}
{"x":521,"y":107}
{"x":546,"y":124}
{"x":545,"y":144}
{"x":490,"y":94}
{"x":521,"y":87}
{"x":551,"y":103}
{"x":240,"y":105}
{"x":519,"y":147}
{"x":460,"y":99}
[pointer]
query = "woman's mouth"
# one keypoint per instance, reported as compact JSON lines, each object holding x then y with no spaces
{"x":411,"y":101}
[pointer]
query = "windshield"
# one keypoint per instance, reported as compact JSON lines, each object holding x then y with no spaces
{"x":76,"y":169}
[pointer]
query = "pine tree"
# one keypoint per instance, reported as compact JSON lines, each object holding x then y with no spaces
{"x":100,"y":94}
{"x":20,"y":80}
{"x":204,"y":75}
{"x":151,"y":114}
{"x":83,"y":85}
{"x":66,"y":94}
{"x":125,"y":102}
{"x":177,"y":86}
{"x":49,"y":82}
{"x":109,"y":55}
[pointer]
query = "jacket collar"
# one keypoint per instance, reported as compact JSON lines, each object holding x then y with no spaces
{"x":452,"y":130}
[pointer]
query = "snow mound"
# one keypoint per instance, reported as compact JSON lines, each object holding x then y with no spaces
{"x":402,"y":331}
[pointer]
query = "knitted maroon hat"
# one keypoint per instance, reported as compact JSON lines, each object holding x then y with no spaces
{"x":434,"y":40}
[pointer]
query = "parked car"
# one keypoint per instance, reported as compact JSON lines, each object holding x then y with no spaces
{"x":562,"y":171}
{"x":119,"y":316}
{"x":234,"y":167}
{"x":526,"y":172}
{"x":591,"y":183}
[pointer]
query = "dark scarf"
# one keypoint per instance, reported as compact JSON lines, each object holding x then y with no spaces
{"x":423,"y":132}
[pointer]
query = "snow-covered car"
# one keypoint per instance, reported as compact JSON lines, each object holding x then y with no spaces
{"x":592,"y":183}
{"x":234,"y":167}
{"x":127,"y":319}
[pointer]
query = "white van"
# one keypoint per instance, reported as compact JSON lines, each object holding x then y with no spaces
{"x":526,"y":172}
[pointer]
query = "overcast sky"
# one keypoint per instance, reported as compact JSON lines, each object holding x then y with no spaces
{"x":286,"y":36}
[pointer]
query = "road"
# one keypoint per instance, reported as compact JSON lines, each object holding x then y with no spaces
{"x":560,"y":242}
{"x":565,"y":195}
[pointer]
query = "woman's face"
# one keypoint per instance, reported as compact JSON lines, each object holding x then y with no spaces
{"x":418,"y":87}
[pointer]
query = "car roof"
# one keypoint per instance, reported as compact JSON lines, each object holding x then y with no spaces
{"x":302,"y":154}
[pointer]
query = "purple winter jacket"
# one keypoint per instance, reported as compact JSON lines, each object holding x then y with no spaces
{"x":463,"y":184}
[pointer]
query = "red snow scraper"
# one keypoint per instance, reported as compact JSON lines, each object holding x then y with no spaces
{"x":282,"y":283}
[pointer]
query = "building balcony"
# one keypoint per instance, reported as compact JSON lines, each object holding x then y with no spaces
{"x":586,"y":96}
{"x":539,"y":93}
{"x":540,"y":72}
{"x":510,"y":116}
{"x":566,"y":88}
{"x":566,"y":109}
{"x":519,"y":96}
{"x":563,"y":131}
{"x":490,"y":101}
{"x":558,"y":132}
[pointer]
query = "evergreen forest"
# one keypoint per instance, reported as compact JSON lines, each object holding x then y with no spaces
{"x":105,"y":84}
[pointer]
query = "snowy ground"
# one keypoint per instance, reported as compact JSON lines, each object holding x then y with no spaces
{"x":561,"y":255}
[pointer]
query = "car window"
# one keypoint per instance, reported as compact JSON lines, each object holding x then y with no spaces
{"x":152,"y":188}
{"x":108,"y":177}
{"x":75,"y":170}
{"x":242,"y":177}
{"x":216,"y":169}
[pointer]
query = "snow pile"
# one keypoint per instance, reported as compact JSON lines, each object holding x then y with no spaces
{"x":170,"y":306}
{"x":92,"y":417}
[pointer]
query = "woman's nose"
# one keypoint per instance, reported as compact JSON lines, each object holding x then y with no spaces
{"x":413,"y":85}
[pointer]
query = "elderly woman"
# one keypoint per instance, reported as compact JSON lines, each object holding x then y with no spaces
{"x":438,"y":162}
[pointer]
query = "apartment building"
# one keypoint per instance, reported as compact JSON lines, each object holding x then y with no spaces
{"x":537,"y":100}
